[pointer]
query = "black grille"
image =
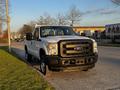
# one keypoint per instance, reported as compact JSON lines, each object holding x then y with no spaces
{"x":75,"y":48}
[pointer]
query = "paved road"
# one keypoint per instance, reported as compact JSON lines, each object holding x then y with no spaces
{"x":105,"y":76}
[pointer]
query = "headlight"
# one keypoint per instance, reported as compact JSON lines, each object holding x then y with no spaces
{"x":94,"y":44}
{"x":95,"y":47}
{"x":52,"y":49}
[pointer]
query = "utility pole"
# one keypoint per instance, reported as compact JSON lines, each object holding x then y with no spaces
{"x":8,"y":25}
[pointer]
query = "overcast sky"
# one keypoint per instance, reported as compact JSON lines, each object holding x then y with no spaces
{"x":95,"y":12}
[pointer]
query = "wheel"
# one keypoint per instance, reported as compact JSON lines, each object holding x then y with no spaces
{"x":28,"y":56}
{"x":43,"y":67}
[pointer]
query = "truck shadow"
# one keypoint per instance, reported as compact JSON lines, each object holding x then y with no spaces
{"x":53,"y":75}
{"x":20,"y":53}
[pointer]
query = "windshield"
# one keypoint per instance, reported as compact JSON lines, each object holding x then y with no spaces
{"x":56,"y":31}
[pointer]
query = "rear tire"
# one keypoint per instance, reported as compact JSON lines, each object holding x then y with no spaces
{"x":28,"y":57}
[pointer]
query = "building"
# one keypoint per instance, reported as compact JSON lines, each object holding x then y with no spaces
{"x":113,"y":31}
{"x":89,"y":30}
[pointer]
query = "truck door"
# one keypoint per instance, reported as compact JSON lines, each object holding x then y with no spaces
{"x":36,"y":43}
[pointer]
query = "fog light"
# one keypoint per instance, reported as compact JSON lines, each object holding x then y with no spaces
{"x":65,"y":62}
{"x":78,"y":62}
{"x":81,"y":62}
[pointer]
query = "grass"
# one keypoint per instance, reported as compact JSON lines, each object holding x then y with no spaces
{"x":16,"y":75}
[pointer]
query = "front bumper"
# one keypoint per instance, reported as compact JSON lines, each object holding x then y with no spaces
{"x":59,"y":63}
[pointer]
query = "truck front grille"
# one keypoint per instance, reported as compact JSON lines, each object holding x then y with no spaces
{"x":75,"y":48}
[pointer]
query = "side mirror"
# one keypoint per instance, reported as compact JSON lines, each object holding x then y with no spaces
{"x":28,"y":36}
{"x":82,"y":34}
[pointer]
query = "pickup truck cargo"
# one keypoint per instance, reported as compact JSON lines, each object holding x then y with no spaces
{"x":60,"y":48}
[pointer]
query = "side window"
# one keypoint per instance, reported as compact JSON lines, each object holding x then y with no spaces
{"x":109,"y":30}
{"x":36,"y":34}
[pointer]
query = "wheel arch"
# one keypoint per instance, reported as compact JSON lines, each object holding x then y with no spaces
{"x":41,"y":52}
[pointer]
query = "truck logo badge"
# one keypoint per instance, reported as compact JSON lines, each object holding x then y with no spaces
{"x":78,"y":48}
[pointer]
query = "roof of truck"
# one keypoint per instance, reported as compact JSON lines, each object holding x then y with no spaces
{"x":52,"y":26}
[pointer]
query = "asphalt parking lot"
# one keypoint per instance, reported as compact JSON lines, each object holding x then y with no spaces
{"x":105,"y":76}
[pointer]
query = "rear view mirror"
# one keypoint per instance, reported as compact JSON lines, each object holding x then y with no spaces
{"x":28,"y":36}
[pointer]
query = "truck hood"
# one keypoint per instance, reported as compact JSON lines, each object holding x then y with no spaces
{"x":55,"y":39}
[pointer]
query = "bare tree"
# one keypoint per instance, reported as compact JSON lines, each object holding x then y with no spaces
{"x":117,"y":2}
{"x":46,"y":19}
{"x":74,"y":15}
{"x":2,"y":9}
{"x":40,"y":20}
{"x":32,"y":24}
{"x":2,"y":13}
{"x":25,"y":29}
{"x":61,"y":19}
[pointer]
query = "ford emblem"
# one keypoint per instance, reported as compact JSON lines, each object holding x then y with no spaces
{"x":78,"y":48}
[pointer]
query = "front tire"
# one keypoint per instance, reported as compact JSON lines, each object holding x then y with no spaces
{"x":43,"y":67}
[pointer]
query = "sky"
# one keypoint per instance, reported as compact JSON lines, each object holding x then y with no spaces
{"x":95,"y":12}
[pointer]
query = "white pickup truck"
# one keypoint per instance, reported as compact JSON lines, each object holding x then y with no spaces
{"x":60,"y":48}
